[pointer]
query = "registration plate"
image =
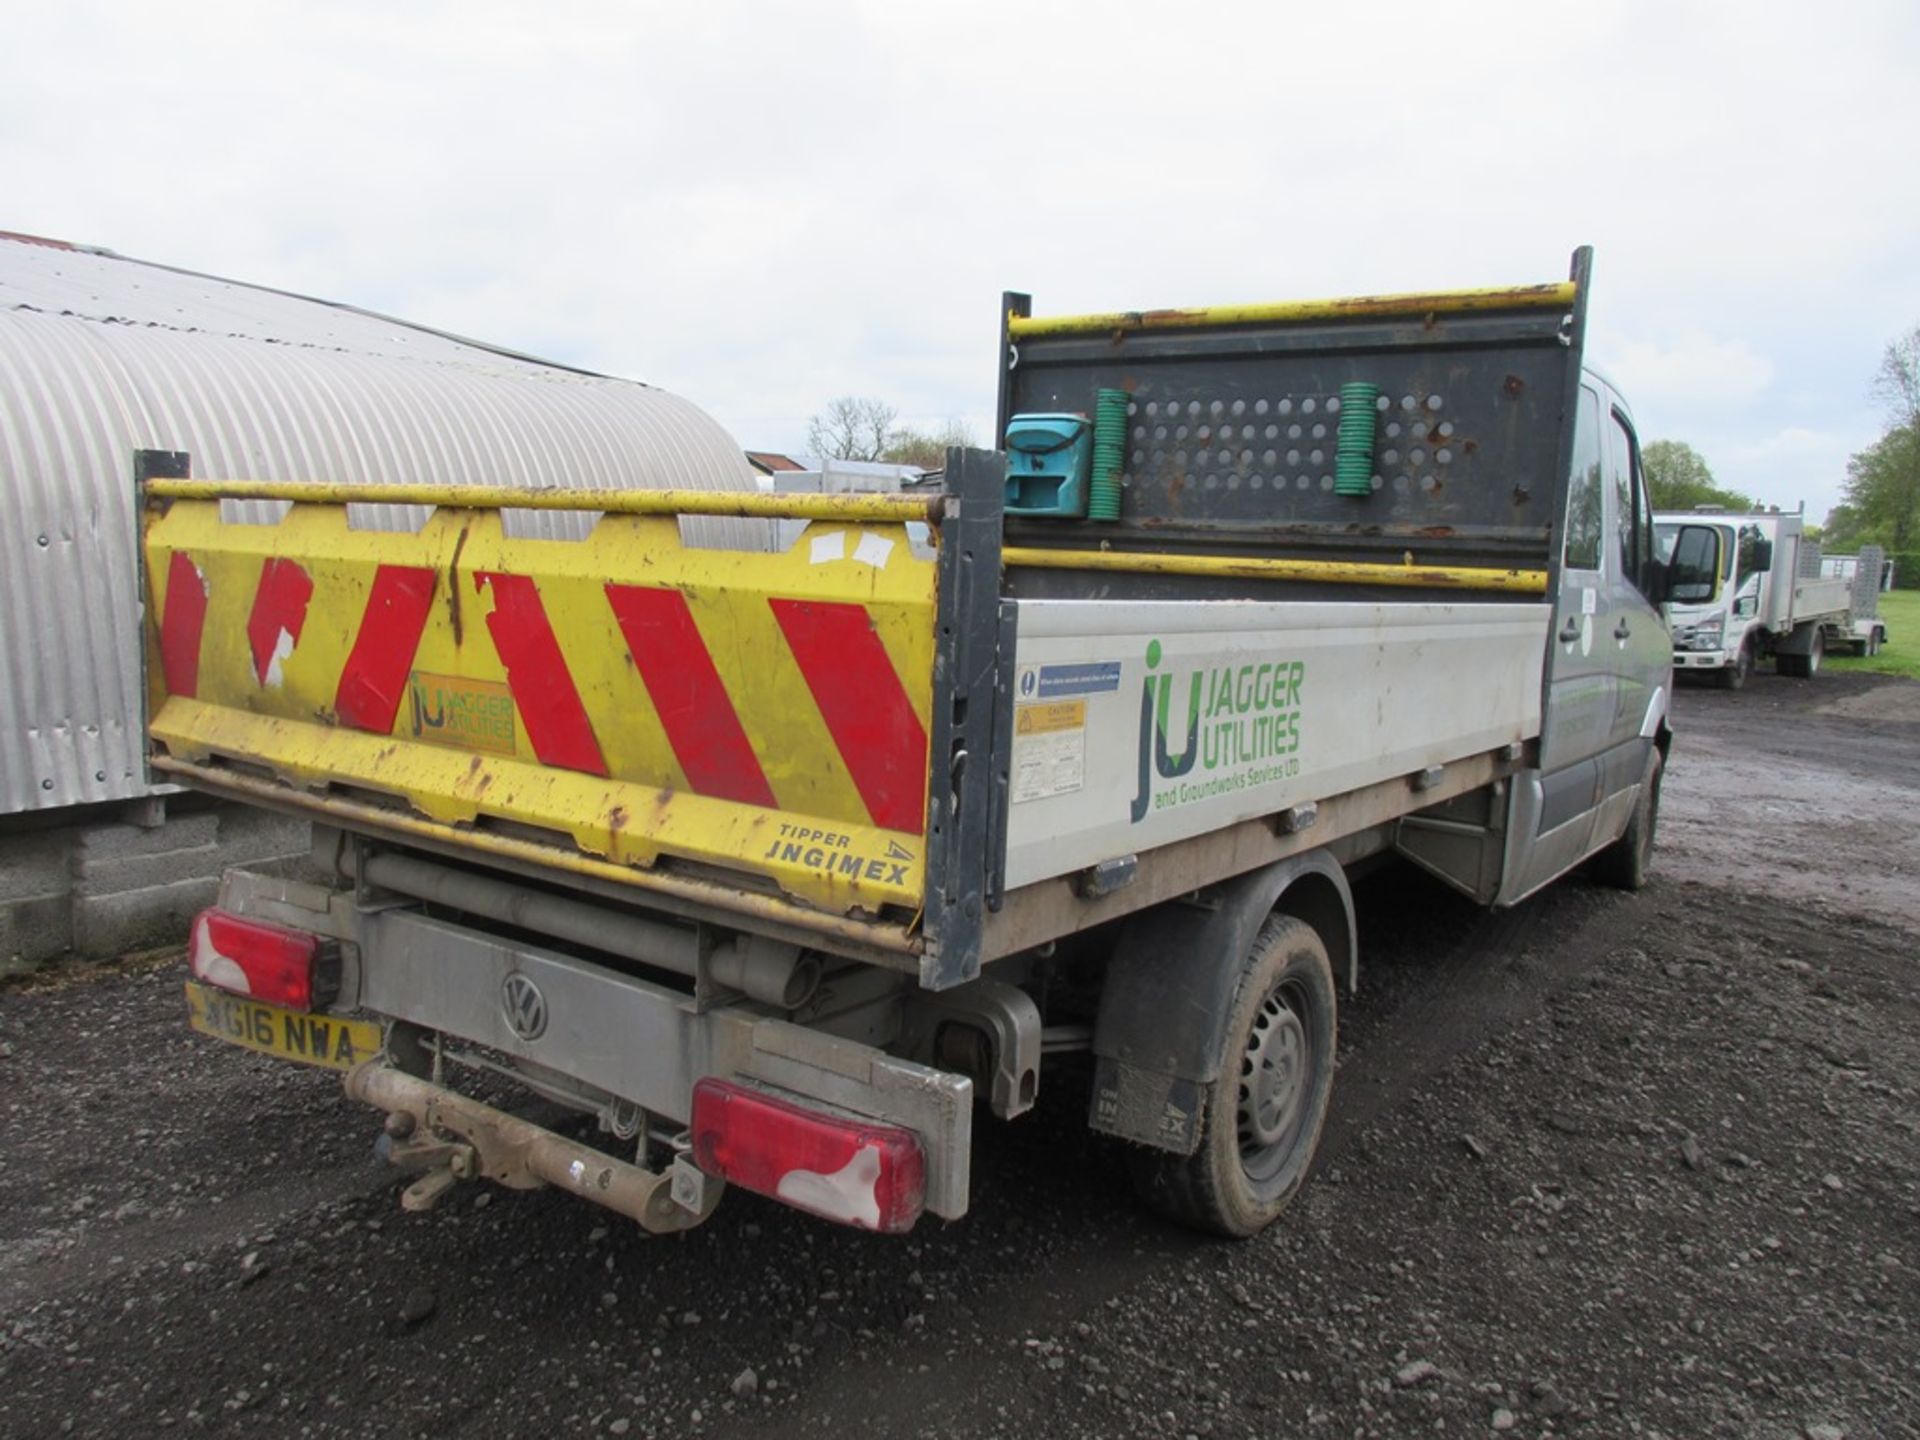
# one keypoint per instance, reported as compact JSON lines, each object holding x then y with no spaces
{"x":310,"y":1039}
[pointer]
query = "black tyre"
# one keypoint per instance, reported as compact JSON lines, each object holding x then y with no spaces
{"x":1736,"y":675}
{"x":1627,"y":863}
{"x":1262,"y":1118}
{"x":1805,"y":667}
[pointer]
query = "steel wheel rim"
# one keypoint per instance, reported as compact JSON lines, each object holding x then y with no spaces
{"x":1275,"y":1080}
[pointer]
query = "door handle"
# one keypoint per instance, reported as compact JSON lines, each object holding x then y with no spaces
{"x":1570,"y":631}
{"x":1620,"y":631}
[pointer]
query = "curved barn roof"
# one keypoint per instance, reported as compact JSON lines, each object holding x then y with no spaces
{"x":101,"y":356}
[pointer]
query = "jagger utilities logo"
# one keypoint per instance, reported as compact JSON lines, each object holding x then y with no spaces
{"x":1239,"y":726}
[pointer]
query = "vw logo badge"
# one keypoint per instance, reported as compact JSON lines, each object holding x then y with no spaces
{"x":524,"y":1006}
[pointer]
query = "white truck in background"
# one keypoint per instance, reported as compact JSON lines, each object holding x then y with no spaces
{"x":1773,"y":601}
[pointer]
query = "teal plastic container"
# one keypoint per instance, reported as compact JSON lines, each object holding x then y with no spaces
{"x":1049,"y":465}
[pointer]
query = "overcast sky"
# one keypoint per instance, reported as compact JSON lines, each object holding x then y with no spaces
{"x":763,"y":206}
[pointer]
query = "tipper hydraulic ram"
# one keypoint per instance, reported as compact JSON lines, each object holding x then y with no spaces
{"x":772,"y":861}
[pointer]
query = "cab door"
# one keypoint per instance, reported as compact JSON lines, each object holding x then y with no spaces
{"x":1639,"y":647}
{"x":1553,"y":828}
{"x":1608,"y":662}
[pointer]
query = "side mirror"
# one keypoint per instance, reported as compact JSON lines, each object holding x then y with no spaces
{"x":1761,"y":559}
{"x":1693,"y":574}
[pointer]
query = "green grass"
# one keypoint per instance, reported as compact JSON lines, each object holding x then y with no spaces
{"x":1900,"y":609}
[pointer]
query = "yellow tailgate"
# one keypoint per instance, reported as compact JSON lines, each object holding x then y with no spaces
{"x":637,"y":696}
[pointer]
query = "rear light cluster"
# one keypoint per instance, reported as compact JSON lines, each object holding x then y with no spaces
{"x":859,"y":1172}
{"x":288,"y":968}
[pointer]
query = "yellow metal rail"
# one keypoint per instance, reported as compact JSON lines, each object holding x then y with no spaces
{"x":881,"y":936}
{"x":1558,"y":296}
{"x":1340,"y":572}
{"x":735,"y":503}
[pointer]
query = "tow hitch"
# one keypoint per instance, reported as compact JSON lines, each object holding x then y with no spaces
{"x":454,"y":1138}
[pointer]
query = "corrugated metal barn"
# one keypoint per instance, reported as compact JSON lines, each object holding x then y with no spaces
{"x":102,"y":356}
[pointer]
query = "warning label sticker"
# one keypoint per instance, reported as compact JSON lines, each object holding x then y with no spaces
{"x":1050,"y":682}
{"x":1049,"y":749}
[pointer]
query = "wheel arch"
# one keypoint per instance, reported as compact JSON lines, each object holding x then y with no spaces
{"x":1169,"y":990}
{"x":1322,"y":899}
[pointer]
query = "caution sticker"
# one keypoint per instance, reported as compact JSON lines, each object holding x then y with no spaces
{"x":1049,"y":749}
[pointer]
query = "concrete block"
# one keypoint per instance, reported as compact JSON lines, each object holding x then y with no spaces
{"x":104,"y":875}
{"x":105,"y":926}
{"x":35,"y":863}
{"x":34,"y":930}
{"x":120,"y":842}
{"x":249,"y":834}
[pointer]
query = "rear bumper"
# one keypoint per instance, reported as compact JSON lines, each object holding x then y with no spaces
{"x":614,"y":1035}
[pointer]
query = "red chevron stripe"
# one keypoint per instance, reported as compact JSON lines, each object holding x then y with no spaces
{"x":694,"y":708}
{"x":181,"y":626}
{"x":537,"y":673}
{"x":375,"y":675}
{"x":279,"y":614}
{"x":864,"y":704}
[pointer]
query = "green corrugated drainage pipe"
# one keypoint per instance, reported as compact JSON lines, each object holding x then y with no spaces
{"x":1109,"y":453}
{"x":1353,"y":458}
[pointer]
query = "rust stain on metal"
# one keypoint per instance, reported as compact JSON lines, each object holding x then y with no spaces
{"x":617,"y":819}
{"x":453,"y":585}
{"x":1513,"y":385}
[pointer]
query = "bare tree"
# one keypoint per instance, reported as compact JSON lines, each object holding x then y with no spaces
{"x":852,"y":427}
{"x":1897,"y":384}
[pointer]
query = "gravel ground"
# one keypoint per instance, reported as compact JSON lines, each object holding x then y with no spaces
{"x":1603,"y":1165}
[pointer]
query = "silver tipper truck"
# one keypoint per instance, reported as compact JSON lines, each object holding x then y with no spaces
{"x":775,"y":865}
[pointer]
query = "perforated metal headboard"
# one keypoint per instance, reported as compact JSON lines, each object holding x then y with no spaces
{"x":1233,"y":417}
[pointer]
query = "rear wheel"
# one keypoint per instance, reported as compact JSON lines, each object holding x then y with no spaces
{"x":1262,"y":1118}
{"x":1805,"y":667}
{"x":1627,"y":863}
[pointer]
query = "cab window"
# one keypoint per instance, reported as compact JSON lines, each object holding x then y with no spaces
{"x":1586,"y":502}
{"x":1628,"y":508}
